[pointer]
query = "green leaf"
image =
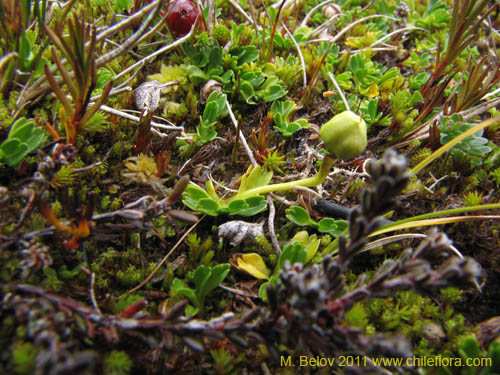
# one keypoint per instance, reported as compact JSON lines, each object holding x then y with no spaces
{"x":196,"y":75}
{"x":180,"y":289}
{"x":257,"y":177}
{"x":210,"y":112}
{"x":103,"y":77}
{"x":208,"y":207}
{"x":301,"y":34}
{"x":216,"y":276}
{"x":273,"y":92}
{"x":124,"y":4}
{"x":288,"y":128}
{"x":200,"y":276}
{"x":191,"y":310}
{"x":198,"y":200}
{"x":25,"y":54}
{"x":247,"y":92}
{"x":294,"y":252}
{"x":311,"y":243}
{"x":245,"y":55}
{"x":254,"y":78}
{"x":69,"y":274}
{"x":299,"y":216}
{"x":333,"y":227}
{"x":206,"y":133}
{"x":220,"y":101}
{"x":24,"y":137}
{"x":246,"y":207}
{"x":13,"y":151}
{"x":215,"y":58}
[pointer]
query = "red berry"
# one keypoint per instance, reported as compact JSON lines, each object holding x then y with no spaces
{"x":181,"y":16}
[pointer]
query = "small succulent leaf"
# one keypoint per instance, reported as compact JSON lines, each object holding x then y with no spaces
{"x":333,"y":227}
{"x":288,"y":128}
{"x":220,"y":101}
{"x":284,"y":108}
{"x":247,"y":92}
{"x":253,"y":78}
{"x":208,"y":207}
{"x":206,"y":133}
{"x":226,"y":78}
{"x":34,"y":139}
{"x":196,"y":75}
{"x":245,"y":55}
{"x":198,"y":200}
{"x":344,"y":80}
{"x":390,"y":74}
{"x":302,"y":33}
{"x":17,"y":125}
{"x":215,"y":58}
{"x":273,"y":92}
{"x":294,"y":252}
{"x":246,"y":207}
{"x":312,"y":248}
{"x":236,"y":205}
{"x":254,"y":265}
{"x":210,"y":112}
{"x":13,"y":151}
{"x":299,"y":216}
{"x":22,"y":132}
{"x":278,"y":120}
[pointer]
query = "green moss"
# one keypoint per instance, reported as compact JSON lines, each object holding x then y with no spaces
{"x":51,"y":281}
{"x":221,"y":33}
{"x":24,"y":358}
{"x":117,"y":363}
{"x":472,"y":198}
{"x":356,"y":317}
{"x":130,"y":277}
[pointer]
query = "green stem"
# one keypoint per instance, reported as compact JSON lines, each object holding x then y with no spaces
{"x":316,"y":180}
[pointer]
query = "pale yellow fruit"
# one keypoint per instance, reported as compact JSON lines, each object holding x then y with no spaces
{"x":345,"y":135}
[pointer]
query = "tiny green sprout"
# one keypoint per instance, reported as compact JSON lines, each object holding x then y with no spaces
{"x":345,"y":135}
{"x":273,"y":160}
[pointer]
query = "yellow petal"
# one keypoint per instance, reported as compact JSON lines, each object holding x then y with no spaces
{"x":372,"y":91}
{"x":253,"y":264}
